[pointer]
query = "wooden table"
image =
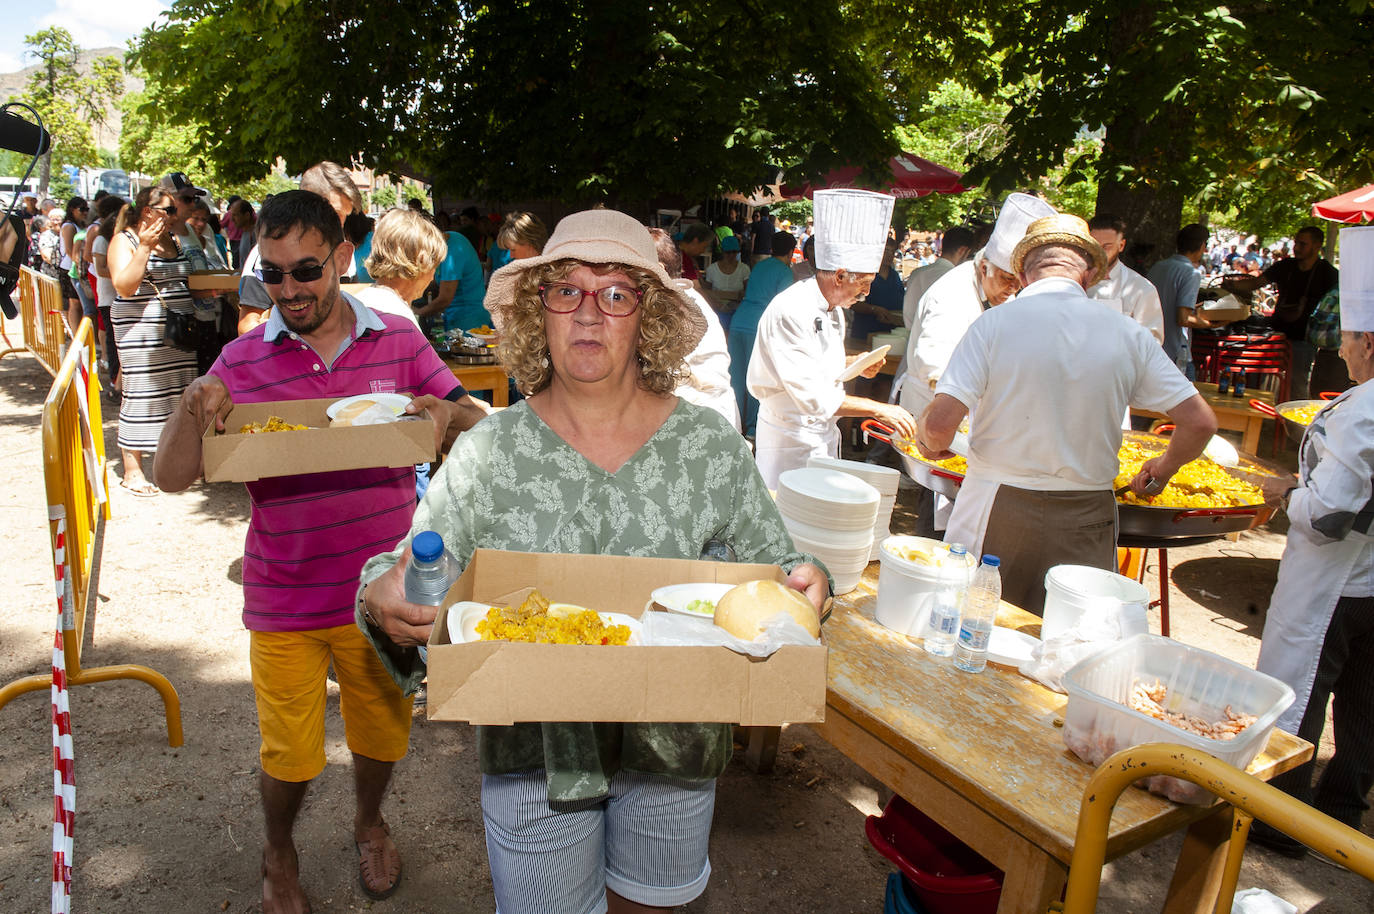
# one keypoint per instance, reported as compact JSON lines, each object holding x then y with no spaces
{"x":1233,"y":413}
{"x":983,"y":755}
{"x":484,"y":377}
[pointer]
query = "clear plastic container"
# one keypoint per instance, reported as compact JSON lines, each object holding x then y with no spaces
{"x":1200,"y":683}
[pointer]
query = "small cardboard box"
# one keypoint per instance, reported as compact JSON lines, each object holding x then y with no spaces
{"x":500,"y":682}
{"x":213,"y":280}
{"x":232,"y":457}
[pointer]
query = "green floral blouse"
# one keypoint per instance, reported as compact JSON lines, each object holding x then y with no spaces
{"x":511,"y":483}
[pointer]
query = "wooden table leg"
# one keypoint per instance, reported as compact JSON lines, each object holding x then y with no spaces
{"x":1031,"y":880}
{"x":1197,"y":876}
{"x":760,"y":748}
{"x":1249,"y":442}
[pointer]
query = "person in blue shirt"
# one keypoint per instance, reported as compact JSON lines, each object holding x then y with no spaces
{"x":881,"y":309}
{"x":767,"y":278}
{"x":460,"y":287}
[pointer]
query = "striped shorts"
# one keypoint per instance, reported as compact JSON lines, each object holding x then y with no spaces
{"x":646,"y":841}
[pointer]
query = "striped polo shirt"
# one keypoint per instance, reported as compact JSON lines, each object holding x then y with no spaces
{"x":309,"y":535}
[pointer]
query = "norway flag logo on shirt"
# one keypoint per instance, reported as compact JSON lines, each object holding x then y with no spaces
{"x":382,"y":386}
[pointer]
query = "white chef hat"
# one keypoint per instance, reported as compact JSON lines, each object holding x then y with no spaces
{"x":1018,"y":211}
{"x":1357,"y":279}
{"x":851,"y":229}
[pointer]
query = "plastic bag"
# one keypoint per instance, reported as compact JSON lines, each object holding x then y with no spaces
{"x":662,"y":628}
{"x":1260,"y":901}
{"x":1099,"y":627}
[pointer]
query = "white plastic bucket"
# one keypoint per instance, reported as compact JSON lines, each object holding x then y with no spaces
{"x":907,"y":590}
{"x":1073,"y":590}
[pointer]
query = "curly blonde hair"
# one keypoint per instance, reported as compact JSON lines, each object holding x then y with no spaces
{"x":664,"y":331}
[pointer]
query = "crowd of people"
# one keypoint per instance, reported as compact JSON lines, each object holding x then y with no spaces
{"x":665,"y":383}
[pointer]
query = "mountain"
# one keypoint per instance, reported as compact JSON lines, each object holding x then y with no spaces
{"x":12,"y":85}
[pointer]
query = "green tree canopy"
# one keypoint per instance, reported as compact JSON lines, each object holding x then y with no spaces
{"x":68,"y":101}
{"x":1233,"y":105}
{"x":576,"y":101}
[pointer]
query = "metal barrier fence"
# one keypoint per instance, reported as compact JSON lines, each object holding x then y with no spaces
{"x":41,"y":314}
{"x":75,"y":477}
{"x":1250,"y":798}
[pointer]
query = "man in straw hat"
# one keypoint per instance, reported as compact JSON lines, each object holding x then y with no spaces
{"x":941,"y":317}
{"x":1319,"y":633}
{"x":1050,"y":375}
{"x":799,"y":351}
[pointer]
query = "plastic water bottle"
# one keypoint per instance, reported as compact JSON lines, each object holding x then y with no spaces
{"x":980,"y":612}
{"x":949,"y":603}
{"x":432,"y":570}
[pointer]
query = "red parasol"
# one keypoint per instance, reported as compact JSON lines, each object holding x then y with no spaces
{"x":1352,"y":207}
{"x":912,"y":176}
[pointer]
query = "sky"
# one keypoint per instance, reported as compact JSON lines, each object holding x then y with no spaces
{"x":93,"y":24}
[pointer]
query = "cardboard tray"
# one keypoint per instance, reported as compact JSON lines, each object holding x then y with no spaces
{"x":217,"y":280}
{"x":232,"y":457}
{"x":501,"y":683}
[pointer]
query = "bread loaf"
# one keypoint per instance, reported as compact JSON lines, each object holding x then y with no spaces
{"x":350,"y":412}
{"x":742,"y":610}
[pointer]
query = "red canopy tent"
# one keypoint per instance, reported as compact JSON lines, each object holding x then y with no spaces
{"x":912,"y":176}
{"x":1353,"y":207}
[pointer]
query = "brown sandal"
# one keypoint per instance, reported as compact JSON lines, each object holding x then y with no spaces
{"x":379,"y":863}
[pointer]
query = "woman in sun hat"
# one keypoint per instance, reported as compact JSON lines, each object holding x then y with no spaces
{"x":600,"y":458}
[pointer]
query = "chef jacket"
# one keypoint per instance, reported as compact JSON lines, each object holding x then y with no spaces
{"x":709,"y":383}
{"x":1330,"y":549}
{"x":794,"y":373}
{"x":1134,"y":295}
{"x":941,"y":318}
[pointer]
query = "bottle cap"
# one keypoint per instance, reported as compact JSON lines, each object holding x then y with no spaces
{"x":991,"y":560}
{"x":957,"y":549}
{"x":427,"y":546}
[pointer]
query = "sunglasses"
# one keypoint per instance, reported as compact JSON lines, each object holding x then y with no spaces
{"x":271,"y":276}
{"x":169,"y":210}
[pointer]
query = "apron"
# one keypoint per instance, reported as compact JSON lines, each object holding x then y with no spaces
{"x":968,"y":518}
{"x":1312,"y":574}
{"x":782,"y":444}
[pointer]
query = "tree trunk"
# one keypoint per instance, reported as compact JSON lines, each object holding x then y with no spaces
{"x":1152,"y":212}
{"x":1152,"y":216}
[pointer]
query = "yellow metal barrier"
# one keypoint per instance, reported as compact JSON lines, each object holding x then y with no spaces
{"x":41,"y":312}
{"x":74,"y":473}
{"x":1250,"y":798}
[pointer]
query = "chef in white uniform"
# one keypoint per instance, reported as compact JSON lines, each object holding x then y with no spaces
{"x":1048,"y":376}
{"x":1125,"y":289}
{"x":944,"y":313}
{"x":1319,"y":633}
{"x":799,"y":351}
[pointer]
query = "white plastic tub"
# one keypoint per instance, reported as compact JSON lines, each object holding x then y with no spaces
{"x":1072,"y":590}
{"x":907,"y":590}
{"x":1200,"y":683}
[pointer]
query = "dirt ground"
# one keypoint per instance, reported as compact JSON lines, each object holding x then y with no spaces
{"x":162,"y":829}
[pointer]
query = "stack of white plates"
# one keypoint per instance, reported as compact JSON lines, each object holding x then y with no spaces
{"x":884,"y":479}
{"x":831,"y":515}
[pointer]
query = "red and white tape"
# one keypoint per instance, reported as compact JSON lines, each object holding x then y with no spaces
{"x":63,"y":782}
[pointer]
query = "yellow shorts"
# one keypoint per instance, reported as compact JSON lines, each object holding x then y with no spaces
{"x":289,"y":682}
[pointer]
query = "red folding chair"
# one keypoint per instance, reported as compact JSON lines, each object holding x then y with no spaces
{"x":1268,"y":356}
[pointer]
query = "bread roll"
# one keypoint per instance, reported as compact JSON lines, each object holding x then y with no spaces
{"x":351,"y":412}
{"x":743,"y":608}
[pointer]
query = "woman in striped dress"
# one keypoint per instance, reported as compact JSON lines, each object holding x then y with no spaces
{"x":149,"y":272}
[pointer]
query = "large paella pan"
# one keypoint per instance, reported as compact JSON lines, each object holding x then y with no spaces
{"x":1192,"y":505}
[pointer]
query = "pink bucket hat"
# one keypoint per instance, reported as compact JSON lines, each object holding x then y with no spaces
{"x":596,"y":236}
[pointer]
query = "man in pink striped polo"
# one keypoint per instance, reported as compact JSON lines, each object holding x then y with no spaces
{"x":309,"y":535}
